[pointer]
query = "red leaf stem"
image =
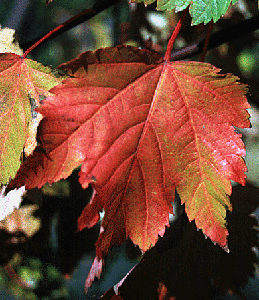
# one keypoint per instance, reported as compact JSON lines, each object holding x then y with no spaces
{"x":170,"y":45}
{"x":85,"y":12}
{"x":42,"y":40}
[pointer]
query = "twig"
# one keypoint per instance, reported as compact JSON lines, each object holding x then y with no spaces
{"x":218,"y":38}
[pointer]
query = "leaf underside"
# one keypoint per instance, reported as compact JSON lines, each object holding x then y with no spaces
{"x":201,"y":11}
{"x":141,"y":128}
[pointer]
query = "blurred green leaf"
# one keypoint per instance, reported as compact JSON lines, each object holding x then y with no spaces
{"x":57,"y":189}
{"x":201,"y":11}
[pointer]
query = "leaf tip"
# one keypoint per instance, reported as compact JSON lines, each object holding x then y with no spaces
{"x":95,"y":272}
{"x":226,"y":249}
{"x":86,"y":179}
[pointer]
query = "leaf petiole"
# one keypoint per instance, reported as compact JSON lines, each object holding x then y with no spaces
{"x":85,"y":15}
{"x":170,"y":45}
{"x":42,"y":39}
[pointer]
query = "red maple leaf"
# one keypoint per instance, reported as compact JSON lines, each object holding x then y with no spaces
{"x":142,"y":127}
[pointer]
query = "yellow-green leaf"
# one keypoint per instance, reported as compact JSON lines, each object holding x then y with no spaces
{"x":20,"y":80}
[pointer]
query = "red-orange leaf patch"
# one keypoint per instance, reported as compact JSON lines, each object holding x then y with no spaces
{"x":142,"y":127}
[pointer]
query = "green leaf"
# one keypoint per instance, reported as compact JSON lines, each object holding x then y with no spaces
{"x":201,"y":11}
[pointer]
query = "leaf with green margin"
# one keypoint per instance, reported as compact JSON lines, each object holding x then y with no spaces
{"x":201,"y":11}
{"x":20,"y":80}
{"x":142,"y":127}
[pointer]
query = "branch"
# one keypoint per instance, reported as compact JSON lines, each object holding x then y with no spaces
{"x":86,"y":15}
{"x":218,"y":38}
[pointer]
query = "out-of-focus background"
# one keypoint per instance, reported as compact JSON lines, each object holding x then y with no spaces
{"x":48,"y":259}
